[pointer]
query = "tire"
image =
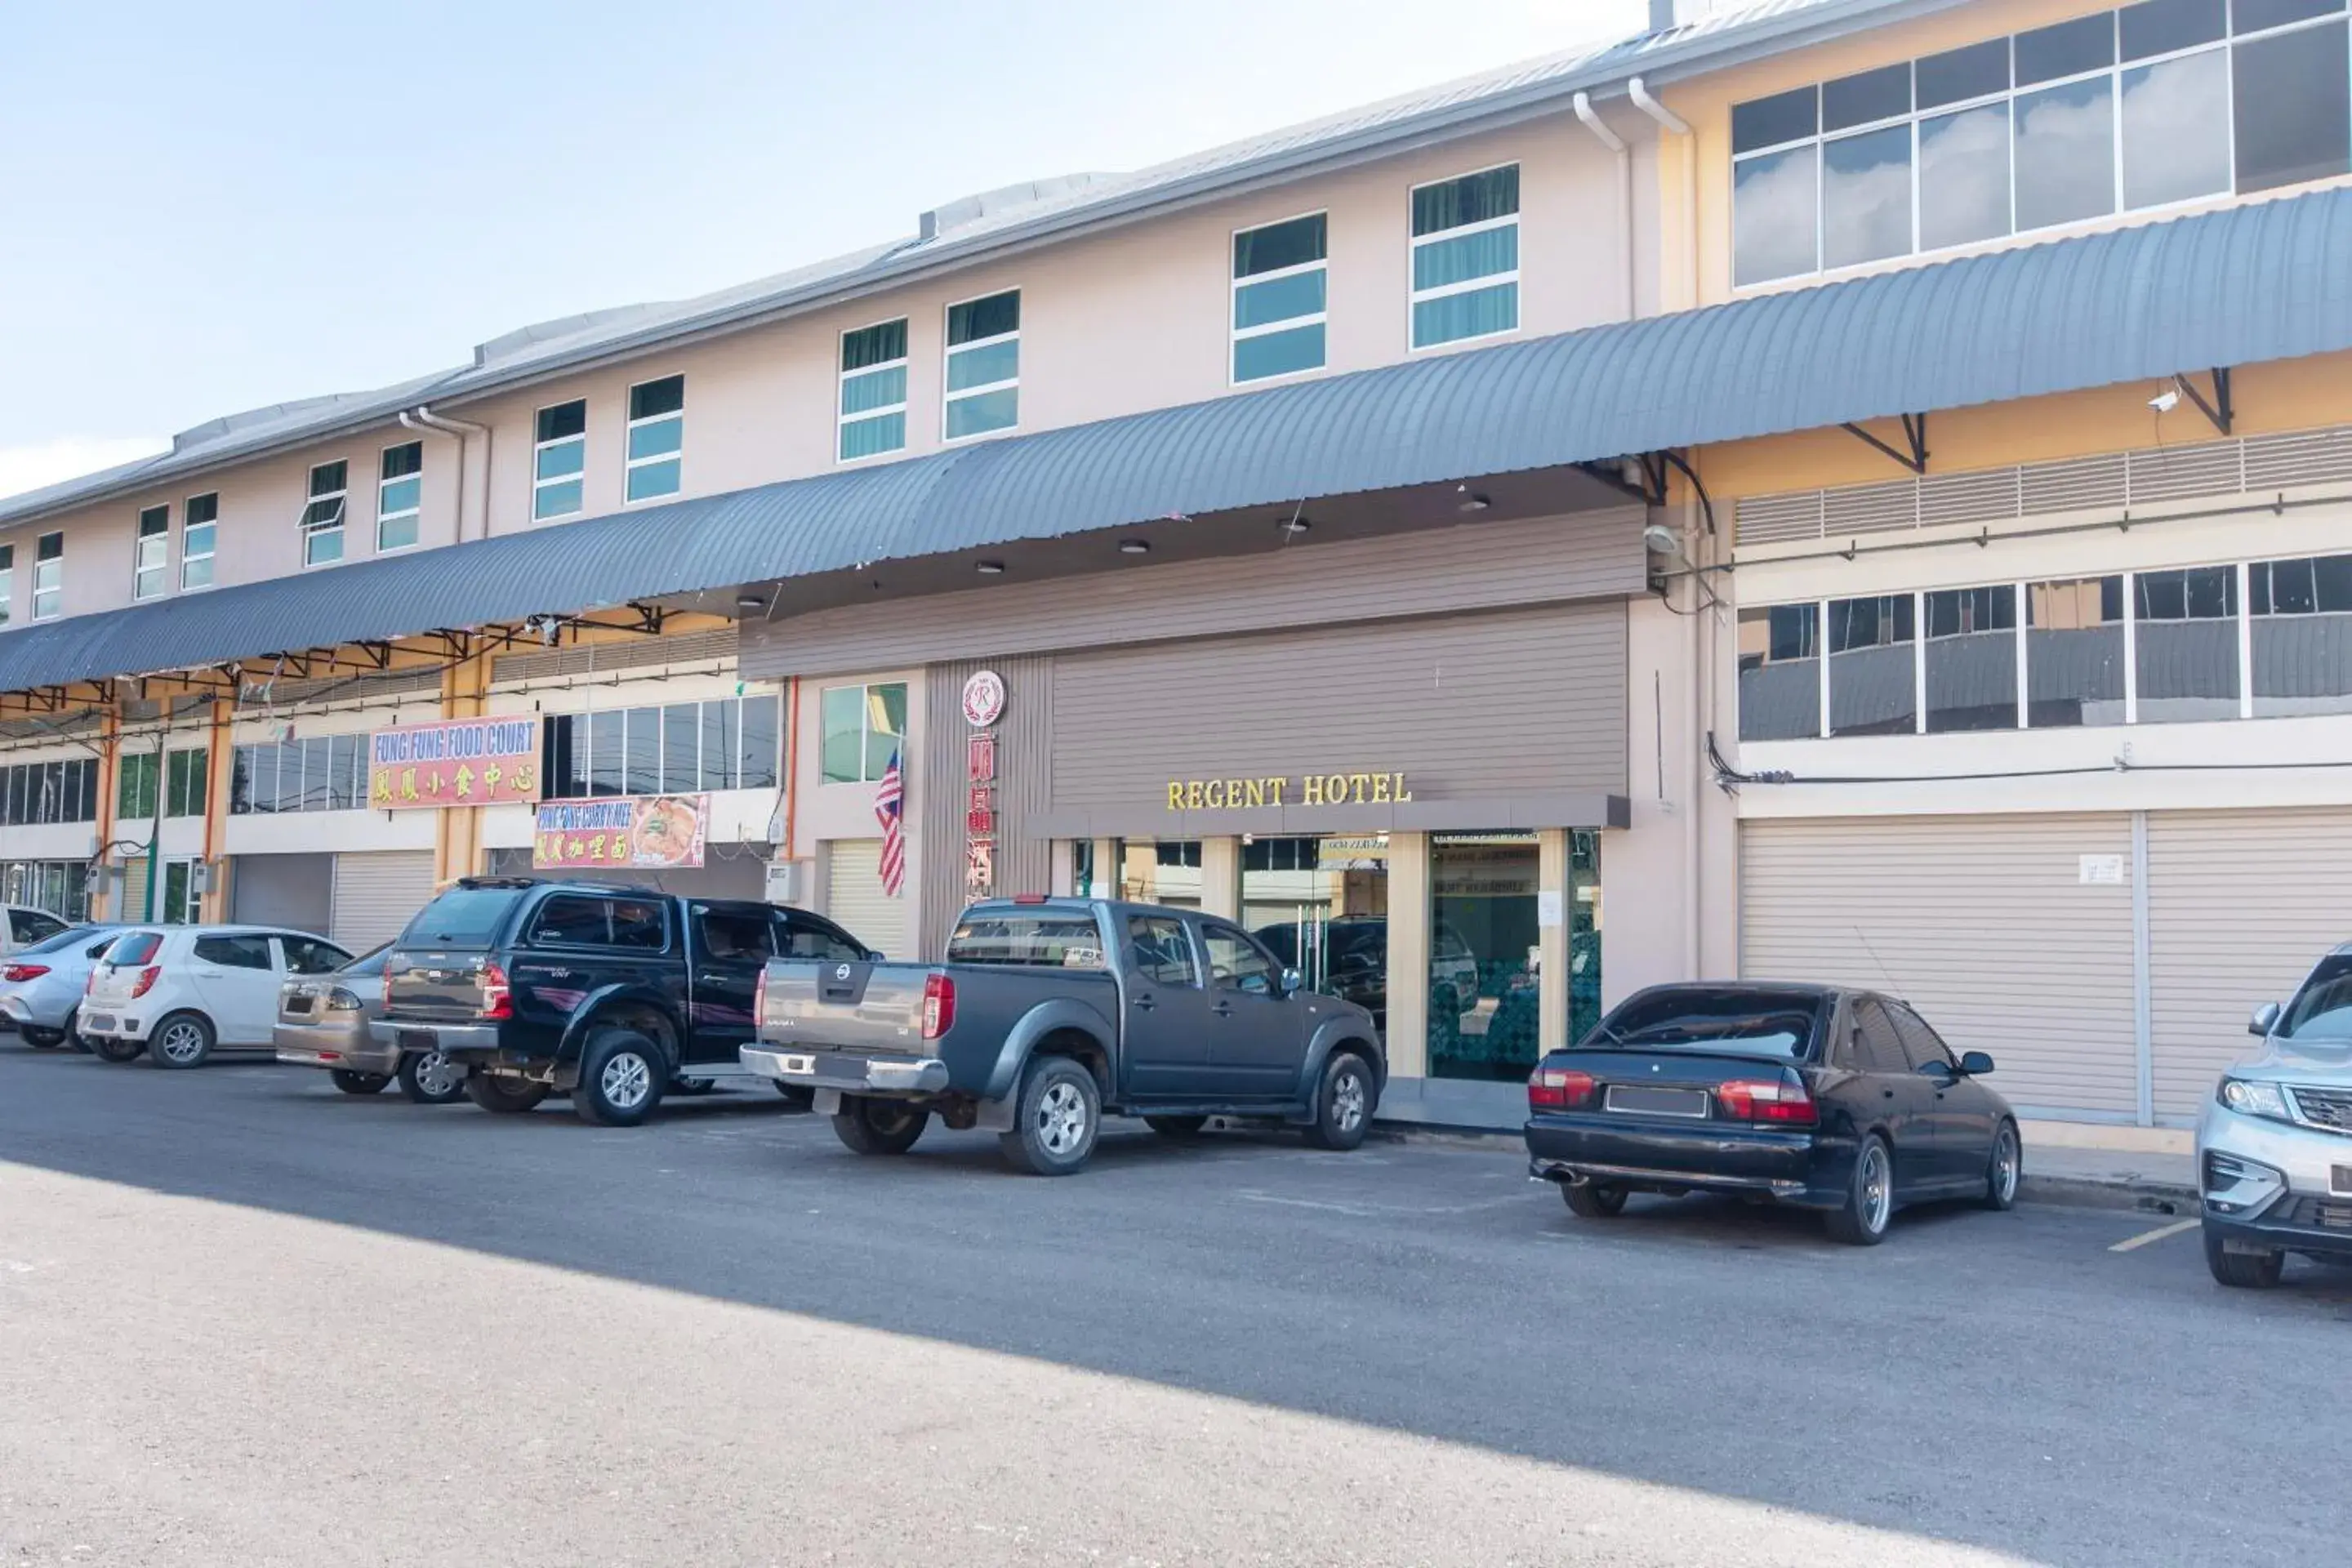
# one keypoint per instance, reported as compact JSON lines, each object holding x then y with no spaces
{"x":1343,"y":1103}
{"x":692,"y":1085}
{"x":41,"y":1039}
{"x":2242,"y":1270}
{"x":358,"y":1082}
{"x":797,"y":1096}
{"x":1869,"y":1207}
{"x":1176,"y":1126}
{"x":2003,"y":1168}
{"x":181,"y":1040}
{"x":108,"y":1048}
{"x":1056,"y":1117}
{"x":504,"y":1096}
{"x":70,"y":1036}
{"x":1594,"y":1200}
{"x":622,"y":1075}
{"x":866,"y":1125}
{"x":428,"y":1078}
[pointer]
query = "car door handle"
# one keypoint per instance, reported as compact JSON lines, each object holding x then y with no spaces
{"x":1223,"y":1009}
{"x":1887,"y":1092}
{"x":1145,"y":1004}
{"x":208,"y":975}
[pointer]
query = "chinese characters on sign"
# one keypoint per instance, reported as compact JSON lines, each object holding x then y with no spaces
{"x":454,"y":761}
{"x":633,"y":830}
{"x":980,"y":813}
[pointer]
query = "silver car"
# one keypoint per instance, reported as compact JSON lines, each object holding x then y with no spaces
{"x":2274,"y":1143}
{"x":322,"y":1022}
{"x":41,"y":985}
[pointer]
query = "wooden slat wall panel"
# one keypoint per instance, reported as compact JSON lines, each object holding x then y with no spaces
{"x":1980,"y":923}
{"x":1025,"y":760}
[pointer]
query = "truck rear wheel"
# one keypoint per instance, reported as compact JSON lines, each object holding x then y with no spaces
{"x":871,"y":1126}
{"x":621,"y":1078}
{"x":1056,"y":1121}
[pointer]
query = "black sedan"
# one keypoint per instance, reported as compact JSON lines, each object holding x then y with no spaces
{"x":1840,"y":1101}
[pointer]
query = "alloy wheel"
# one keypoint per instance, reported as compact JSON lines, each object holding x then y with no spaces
{"x":1877,"y":1189}
{"x":181,"y":1043}
{"x":626,"y":1080}
{"x":2004,"y":1166}
{"x":1348,"y":1102}
{"x":1062,"y":1118}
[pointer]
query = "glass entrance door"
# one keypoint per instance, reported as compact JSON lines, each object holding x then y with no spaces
{"x":1322,"y":906}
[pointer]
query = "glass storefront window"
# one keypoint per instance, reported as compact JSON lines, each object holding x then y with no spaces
{"x":1321,"y":906}
{"x":1483,"y":1008}
{"x":1160,"y":871}
{"x":1584,"y":934}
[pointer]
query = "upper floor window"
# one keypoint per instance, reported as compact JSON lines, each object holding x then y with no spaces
{"x":656,"y":435}
{"x":32,"y":793}
{"x":198,"y":521}
{"x":865,"y":727}
{"x":399,"y":495}
{"x":174,"y":781}
{"x":324,"y":772}
{"x":1465,"y":257}
{"x":1780,"y":672}
{"x":322,"y":519}
{"x":983,"y":381}
{"x":727,"y":743}
{"x":151,"y":560}
{"x":49,"y":575}
{"x":873,"y":391}
{"x":2152,"y":104}
{"x":558,"y":459}
{"x":7,"y":582}
{"x":1279,"y":277}
{"x":2302,"y":636}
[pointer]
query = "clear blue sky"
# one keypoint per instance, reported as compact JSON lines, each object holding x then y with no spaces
{"x":204,"y":207}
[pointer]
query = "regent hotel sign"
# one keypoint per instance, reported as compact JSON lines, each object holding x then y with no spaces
{"x":1281,"y":789}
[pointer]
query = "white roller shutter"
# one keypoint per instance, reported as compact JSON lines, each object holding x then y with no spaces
{"x":2240,"y":905}
{"x":375,"y":894}
{"x":1984,"y":923}
{"x":856,"y":901}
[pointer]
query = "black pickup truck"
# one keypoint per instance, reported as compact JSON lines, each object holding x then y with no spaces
{"x":610,"y":993}
{"x":1050,"y":1012}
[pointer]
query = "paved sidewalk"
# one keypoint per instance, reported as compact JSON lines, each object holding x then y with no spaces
{"x":2110,"y":1178}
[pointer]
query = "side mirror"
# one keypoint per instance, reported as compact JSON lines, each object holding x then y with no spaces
{"x":873,"y":955}
{"x":1291,"y":981}
{"x":2266,"y":1019}
{"x":1975,"y":1062}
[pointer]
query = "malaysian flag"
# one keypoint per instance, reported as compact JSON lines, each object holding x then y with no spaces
{"x":889,"y":802}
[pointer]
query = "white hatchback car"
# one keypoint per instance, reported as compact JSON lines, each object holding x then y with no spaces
{"x":180,"y":993}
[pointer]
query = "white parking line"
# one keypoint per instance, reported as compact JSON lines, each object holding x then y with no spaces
{"x":2158,"y":1234}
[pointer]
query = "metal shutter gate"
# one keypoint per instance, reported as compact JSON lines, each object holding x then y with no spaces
{"x":1983,"y":922}
{"x":375,"y":894}
{"x":856,"y":901}
{"x":2240,"y":905}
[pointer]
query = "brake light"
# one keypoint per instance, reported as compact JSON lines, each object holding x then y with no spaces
{"x":498,"y":998}
{"x":1028,"y":898}
{"x":1558,"y":1088}
{"x":1765,"y":1100}
{"x":760,"y":999}
{"x":146,"y":983}
{"x":939,"y":1005}
{"x":24,"y":972}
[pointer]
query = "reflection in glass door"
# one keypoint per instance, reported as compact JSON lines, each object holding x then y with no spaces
{"x":1321,"y":905}
{"x":1160,"y":871}
{"x":1485,"y":1006}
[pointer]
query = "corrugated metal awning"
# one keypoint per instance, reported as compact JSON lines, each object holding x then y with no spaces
{"x":2250,"y":284}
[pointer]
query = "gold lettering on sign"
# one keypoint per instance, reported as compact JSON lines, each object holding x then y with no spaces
{"x":1255,"y":791}
{"x":1276,"y":786}
{"x":1274,"y":790}
{"x":1315,"y":789}
{"x":1358,"y":783}
{"x":1213,"y":795}
{"x":1192,"y":800}
{"x":1402,"y":793}
{"x":1382,"y":784}
{"x":1175,"y":794}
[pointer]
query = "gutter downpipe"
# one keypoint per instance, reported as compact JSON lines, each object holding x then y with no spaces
{"x":423,"y":418}
{"x":1668,"y":119}
{"x":1616,"y":144}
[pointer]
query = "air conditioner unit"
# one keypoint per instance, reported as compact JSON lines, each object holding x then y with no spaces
{"x":784,"y":882}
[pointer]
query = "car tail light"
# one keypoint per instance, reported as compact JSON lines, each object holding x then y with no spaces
{"x":498,"y":997}
{"x":760,"y":999}
{"x":1558,"y":1088}
{"x":146,"y":981}
{"x":1765,"y":1100}
{"x":21,"y":972}
{"x":939,"y":1005}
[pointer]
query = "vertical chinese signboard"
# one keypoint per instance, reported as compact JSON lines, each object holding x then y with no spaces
{"x":983,"y":705}
{"x":454,"y":761}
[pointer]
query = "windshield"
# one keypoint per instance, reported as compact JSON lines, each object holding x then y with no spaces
{"x":2322,"y":1010}
{"x":65,"y":939}
{"x":466,"y":917}
{"x":1047,"y":940}
{"x":1703,"y":1019}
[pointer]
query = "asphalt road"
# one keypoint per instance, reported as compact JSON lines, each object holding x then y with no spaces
{"x":245,"y":1319}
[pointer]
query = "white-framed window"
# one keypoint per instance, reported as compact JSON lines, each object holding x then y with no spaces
{"x":656,"y":436}
{"x":873,"y":391}
{"x":7,"y":583}
{"x":2147,"y":106}
{"x":323,"y":516}
{"x":1465,"y":257}
{"x":983,"y":369}
{"x":150,"y":557}
{"x":558,"y":457}
{"x":49,"y":575}
{"x":1279,"y":297}
{"x":399,"y":495}
{"x":199,"y":520}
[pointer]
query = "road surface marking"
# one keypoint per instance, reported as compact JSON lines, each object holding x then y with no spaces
{"x":2158,"y":1234}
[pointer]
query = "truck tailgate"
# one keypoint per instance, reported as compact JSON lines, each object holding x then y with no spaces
{"x":835,"y":1006}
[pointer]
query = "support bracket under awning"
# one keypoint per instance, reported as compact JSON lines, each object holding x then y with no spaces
{"x":1915,"y":437}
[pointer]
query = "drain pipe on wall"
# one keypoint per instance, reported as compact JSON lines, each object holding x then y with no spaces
{"x":1624,"y":155}
{"x":1668,"y":119}
{"x":423,"y":418}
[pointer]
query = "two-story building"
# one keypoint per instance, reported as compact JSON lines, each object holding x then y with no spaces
{"x":1387,"y":535}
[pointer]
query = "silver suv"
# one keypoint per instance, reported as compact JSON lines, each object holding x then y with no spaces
{"x":2274,"y":1144}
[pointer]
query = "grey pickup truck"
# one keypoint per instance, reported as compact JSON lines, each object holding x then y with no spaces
{"x":1050,"y":1012}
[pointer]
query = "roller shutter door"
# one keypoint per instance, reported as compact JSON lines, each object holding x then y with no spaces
{"x":1983,"y":922}
{"x":292,"y":891}
{"x":855,"y":901}
{"x":2240,"y":905}
{"x":375,"y":894}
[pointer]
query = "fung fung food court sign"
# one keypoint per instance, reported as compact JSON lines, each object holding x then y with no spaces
{"x":454,"y":761}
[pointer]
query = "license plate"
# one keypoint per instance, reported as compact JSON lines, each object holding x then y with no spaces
{"x":99,"y":1023}
{"x":1640,"y":1099}
{"x":803,"y":1065}
{"x":2339,"y":1181}
{"x":419,"y":1040}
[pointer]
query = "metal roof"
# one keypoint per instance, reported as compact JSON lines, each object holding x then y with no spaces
{"x":1453,"y":109}
{"x":2240,"y":286}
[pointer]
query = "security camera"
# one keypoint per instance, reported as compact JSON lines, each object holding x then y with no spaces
{"x":2165,"y":402}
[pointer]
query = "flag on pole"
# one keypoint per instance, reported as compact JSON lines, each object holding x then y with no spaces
{"x":888,"y":801}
